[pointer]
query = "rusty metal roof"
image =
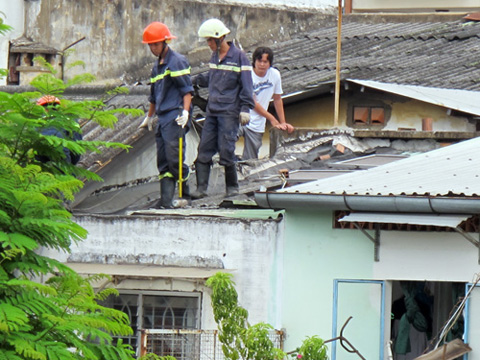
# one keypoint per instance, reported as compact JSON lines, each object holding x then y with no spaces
{"x":26,"y":45}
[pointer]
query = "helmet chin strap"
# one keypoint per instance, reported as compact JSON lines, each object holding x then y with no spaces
{"x":163,"y":52}
{"x":218,"y":42}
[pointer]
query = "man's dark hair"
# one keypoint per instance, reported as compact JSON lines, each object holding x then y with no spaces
{"x":258,"y":53}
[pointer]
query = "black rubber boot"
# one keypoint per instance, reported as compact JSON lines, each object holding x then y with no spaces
{"x":186,"y":191}
{"x":202,"y":172}
{"x":167,"y":191}
{"x":231,"y":180}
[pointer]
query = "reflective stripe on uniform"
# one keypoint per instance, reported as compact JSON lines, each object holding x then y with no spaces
{"x":166,"y":175}
{"x":171,"y":73}
{"x":230,"y":67}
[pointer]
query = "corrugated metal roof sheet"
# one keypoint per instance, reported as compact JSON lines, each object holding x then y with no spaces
{"x":451,"y":221}
{"x":448,"y":171}
{"x":461,"y":100}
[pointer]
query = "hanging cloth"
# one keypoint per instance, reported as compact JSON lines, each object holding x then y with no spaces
{"x":413,"y":316}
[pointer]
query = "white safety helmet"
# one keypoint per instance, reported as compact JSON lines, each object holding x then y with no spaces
{"x":213,"y":28}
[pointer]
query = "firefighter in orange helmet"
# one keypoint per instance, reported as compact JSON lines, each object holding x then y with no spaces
{"x":169,"y":111}
{"x":51,"y":102}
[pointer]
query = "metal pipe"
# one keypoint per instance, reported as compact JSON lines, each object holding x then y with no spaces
{"x":404,"y":204}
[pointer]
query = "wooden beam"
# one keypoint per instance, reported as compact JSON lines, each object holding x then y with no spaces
{"x":337,"y":72}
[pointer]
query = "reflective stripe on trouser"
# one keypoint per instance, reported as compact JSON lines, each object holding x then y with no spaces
{"x":166,"y":138}
{"x":219,"y":134}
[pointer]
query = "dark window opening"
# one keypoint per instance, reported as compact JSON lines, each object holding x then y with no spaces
{"x":429,"y":305}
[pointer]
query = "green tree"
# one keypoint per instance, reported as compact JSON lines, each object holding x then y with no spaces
{"x":47,"y":311}
{"x":250,"y":342}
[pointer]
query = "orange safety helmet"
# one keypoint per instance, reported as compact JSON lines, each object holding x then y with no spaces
{"x":156,"y":32}
{"x":48,"y":99}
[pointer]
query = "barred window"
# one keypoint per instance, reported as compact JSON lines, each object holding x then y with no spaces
{"x":159,"y":311}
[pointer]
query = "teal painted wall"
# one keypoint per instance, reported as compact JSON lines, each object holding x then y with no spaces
{"x":316,"y":254}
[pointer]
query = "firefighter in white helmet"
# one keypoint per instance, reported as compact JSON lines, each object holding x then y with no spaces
{"x":230,"y":98}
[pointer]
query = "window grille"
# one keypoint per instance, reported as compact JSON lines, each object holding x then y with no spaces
{"x":190,"y":344}
{"x":155,"y":311}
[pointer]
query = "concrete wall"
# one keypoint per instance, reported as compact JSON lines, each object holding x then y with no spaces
{"x":407,"y":113}
{"x":112,"y":48}
{"x":251,"y":249}
{"x":317,"y":254}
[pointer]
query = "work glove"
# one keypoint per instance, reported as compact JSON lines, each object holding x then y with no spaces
{"x":244,"y":118}
{"x":182,"y":120}
{"x":149,"y":122}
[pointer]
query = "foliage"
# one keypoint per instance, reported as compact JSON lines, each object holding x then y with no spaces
{"x":156,"y":357}
{"x":243,"y":341}
{"x":22,"y":123}
{"x":47,"y":311}
{"x":239,"y":339}
{"x":313,"y":348}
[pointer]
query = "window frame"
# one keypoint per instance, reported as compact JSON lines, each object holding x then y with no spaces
{"x":335,"y":312}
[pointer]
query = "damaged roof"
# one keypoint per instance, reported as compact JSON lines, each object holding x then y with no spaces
{"x":453,"y":170}
{"x":426,"y":54}
{"x":444,"y":53}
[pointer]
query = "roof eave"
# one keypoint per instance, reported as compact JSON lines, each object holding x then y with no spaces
{"x":393,"y":203}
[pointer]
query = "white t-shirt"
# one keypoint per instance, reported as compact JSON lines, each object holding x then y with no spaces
{"x":263,"y":90}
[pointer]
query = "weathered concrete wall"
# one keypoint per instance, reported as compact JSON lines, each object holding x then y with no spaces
{"x":251,"y":248}
{"x":407,"y":113}
{"x":112,"y":48}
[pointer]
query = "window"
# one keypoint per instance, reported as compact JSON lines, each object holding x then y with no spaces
{"x":368,"y":115}
{"x":378,"y":309}
{"x":148,"y":310}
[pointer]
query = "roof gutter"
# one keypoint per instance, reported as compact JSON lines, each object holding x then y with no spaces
{"x":404,"y":204}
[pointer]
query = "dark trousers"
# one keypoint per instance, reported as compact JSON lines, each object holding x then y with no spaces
{"x":166,"y":137}
{"x":219,"y":134}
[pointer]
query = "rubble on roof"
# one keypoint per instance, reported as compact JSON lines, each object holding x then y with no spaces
{"x":308,"y":153}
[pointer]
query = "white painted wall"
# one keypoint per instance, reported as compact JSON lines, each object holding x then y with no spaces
{"x":431,"y":256}
{"x":13,"y":16}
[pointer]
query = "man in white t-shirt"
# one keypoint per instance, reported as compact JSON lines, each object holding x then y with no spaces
{"x":267,"y":84}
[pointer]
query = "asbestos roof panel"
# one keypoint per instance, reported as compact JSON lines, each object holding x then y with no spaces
{"x":461,"y":100}
{"x":453,"y":170}
{"x":444,"y":53}
{"x":451,"y":221}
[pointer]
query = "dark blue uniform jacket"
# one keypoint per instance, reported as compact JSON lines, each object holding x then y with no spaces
{"x":229,"y":82}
